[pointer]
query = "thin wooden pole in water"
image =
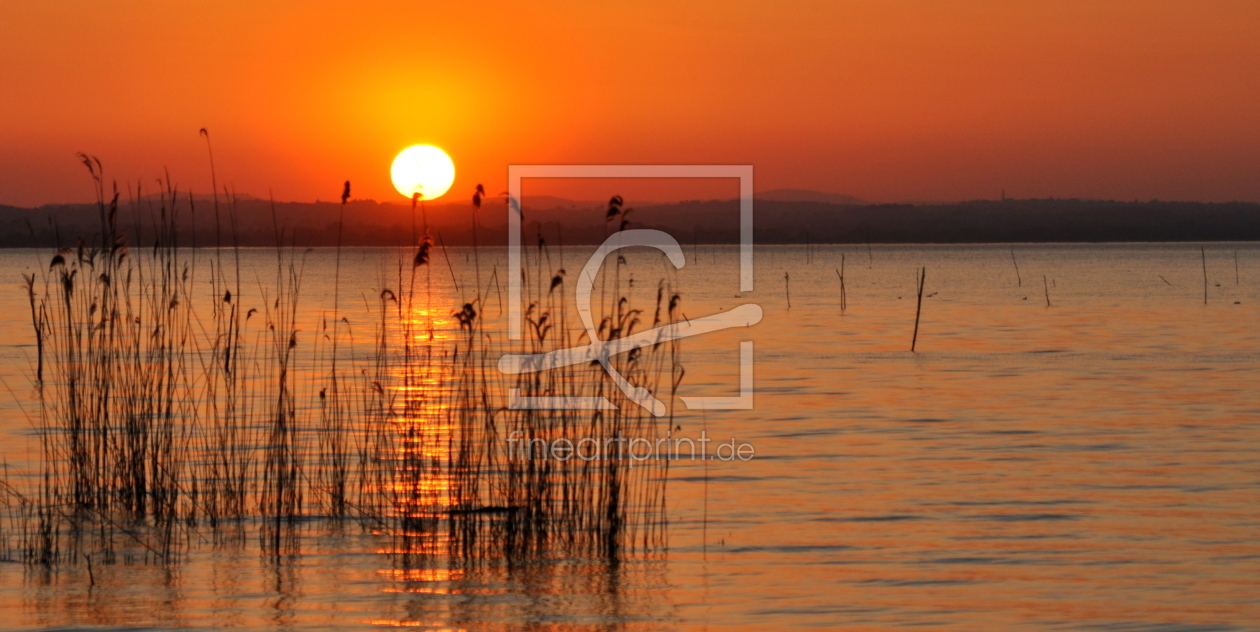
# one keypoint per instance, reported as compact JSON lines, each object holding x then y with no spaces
{"x":1046,"y":285}
{"x":840,"y":273}
{"x":1018,"y":279}
{"x":787,"y":288}
{"x":918,"y":309}
{"x":1203,"y":254}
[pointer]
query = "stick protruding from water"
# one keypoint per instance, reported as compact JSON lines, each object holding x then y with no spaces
{"x":1203,"y":255}
{"x":844,"y":301}
{"x":918,"y":310}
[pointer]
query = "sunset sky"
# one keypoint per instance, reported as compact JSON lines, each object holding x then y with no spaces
{"x":883,"y":100}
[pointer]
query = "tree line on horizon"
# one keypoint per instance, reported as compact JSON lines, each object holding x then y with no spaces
{"x":255,"y":222}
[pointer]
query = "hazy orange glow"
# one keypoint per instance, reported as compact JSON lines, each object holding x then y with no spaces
{"x":895,"y":100}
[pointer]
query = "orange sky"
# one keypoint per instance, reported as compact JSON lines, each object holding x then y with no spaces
{"x":884,"y":100}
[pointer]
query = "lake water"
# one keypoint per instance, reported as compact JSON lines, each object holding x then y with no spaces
{"x":1075,"y":447}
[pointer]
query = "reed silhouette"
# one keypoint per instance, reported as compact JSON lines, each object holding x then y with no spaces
{"x":167,"y":419}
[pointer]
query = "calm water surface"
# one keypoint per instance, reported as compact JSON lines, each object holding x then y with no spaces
{"x":1094,"y":464}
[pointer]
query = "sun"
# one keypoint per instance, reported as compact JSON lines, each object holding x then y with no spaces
{"x":422,"y":169}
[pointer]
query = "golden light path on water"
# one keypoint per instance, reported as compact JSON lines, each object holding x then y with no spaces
{"x":425,"y":427}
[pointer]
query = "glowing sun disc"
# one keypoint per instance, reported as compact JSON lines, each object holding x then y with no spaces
{"x":422,"y":169}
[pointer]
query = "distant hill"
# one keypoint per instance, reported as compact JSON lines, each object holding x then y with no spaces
{"x":548,"y":201}
{"x":254,"y":222}
{"x":803,"y":195}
